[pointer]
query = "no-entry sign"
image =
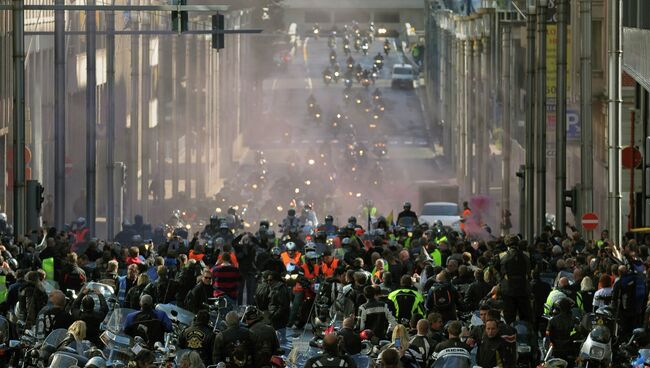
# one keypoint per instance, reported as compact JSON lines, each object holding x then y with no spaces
{"x":589,"y":221}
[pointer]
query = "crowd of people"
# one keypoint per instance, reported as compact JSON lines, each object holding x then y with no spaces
{"x":410,"y":292}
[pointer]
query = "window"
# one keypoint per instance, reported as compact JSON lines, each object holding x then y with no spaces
{"x":317,"y":16}
{"x":387,"y":17}
{"x":440,"y":209}
{"x":347,"y":16}
{"x":597,"y":45}
{"x":405,"y":71}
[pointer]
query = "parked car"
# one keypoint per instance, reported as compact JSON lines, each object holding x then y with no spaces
{"x":446,"y":212}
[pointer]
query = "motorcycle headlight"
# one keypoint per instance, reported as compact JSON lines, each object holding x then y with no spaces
{"x":597,"y":352}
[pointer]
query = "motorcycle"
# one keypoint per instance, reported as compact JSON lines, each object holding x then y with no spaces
{"x":316,"y":31}
{"x":596,"y":350}
{"x":327,"y":79}
{"x":119,"y":347}
{"x":317,"y":113}
{"x":346,"y":49}
{"x":386,"y":47}
{"x":348,"y":83}
{"x":365,"y":82}
{"x":346,"y":96}
{"x":380,"y":149}
{"x":526,"y":349}
{"x":379,"y":63}
{"x":364,"y":48}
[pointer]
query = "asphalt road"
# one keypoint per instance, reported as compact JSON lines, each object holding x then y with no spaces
{"x":292,"y":133}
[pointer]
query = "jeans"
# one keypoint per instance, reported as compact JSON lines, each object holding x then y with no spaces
{"x":296,"y":305}
{"x":248,"y":282}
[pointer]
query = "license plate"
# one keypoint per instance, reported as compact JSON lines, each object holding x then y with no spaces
{"x":523,"y":349}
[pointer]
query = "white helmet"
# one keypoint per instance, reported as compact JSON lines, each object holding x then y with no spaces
{"x":291,"y":246}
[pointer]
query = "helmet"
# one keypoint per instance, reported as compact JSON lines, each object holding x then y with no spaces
{"x":275,"y":251}
{"x":329,"y":218}
{"x":407,"y":205}
{"x":366,"y":334}
{"x":310,"y":247}
{"x":605,"y":312}
{"x":251,"y":313}
{"x":345,"y":241}
{"x":3,"y":217}
{"x":291,"y":246}
{"x":87,"y":304}
{"x":563,"y":305}
{"x":352,"y":220}
{"x":291,"y":212}
{"x":264,"y":223}
{"x":213,"y":218}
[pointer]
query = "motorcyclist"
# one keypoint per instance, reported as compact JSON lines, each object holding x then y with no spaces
{"x":163,"y":290}
{"x":350,"y":339}
{"x":126,"y":282}
{"x":201,"y":293}
{"x":331,"y":357}
{"x":291,"y":255}
{"x":211,"y":229}
{"x":454,"y":330}
{"x":443,"y":298}
{"x":379,"y":59}
{"x":386,"y":46}
{"x":290,"y":224}
{"x":329,"y":226}
{"x":560,"y":328}
{"x":515,"y":266}
{"x":275,"y":262}
{"x":406,"y":301}
{"x":32,"y":298}
{"x":278,"y":309}
{"x":155,"y":321}
{"x":83,"y":308}
{"x":234,"y":346}
{"x":562,"y":290}
{"x":493,"y":350}
{"x":332,"y":56}
{"x":266,"y":340}
{"x":350,"y":62}
{"x":375,"y":314}
{"x":198,"y":336}
{"x":308,"y":215}
{"x":327,"y":75}
{"x":53,"y":316}
{"x":309,"y":271}
{"x":407,"y":213}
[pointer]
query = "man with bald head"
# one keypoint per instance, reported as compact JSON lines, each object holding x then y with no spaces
{"x":330,"y":358}
{"x":156,"y":322}
{"x":53,"y":316}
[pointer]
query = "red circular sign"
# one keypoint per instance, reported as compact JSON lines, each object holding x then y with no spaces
{"x":589,"y":221}
{"x":631,"y":157}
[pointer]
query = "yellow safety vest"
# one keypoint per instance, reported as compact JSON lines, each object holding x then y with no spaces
{"x":3,"y":288}
{"x":48,"y":267}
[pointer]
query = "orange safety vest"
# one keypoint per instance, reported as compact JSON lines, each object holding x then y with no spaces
{"x":286,"y":259}
{"x":308,"y":275}
{"x":466,"y":214}
{"x":196,"y":256}
{"x":328,"y":271}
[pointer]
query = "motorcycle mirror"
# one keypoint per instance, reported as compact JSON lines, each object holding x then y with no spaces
{"x":14,"y":343}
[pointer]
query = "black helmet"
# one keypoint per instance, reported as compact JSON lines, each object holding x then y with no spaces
{"x":329,"y":218}
{"x":407,"y":205}
{"x":291,"y":212}
{"x":352,"y":220}
{"x":87,"y":304}
{"x":265,"y":223}
{"x":251,"y":313}
{"x":563,"y":305}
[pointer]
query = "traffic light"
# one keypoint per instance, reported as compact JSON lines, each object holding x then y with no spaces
{"x":218,"y":25}
{"x":572,"y":200}
{"x":180,"y":20}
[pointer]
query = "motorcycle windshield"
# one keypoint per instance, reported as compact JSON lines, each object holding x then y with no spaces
{"x":63,"y":361}
{"x":406,"y":222}
{"x":106,"y":290}
{"x":452,"y":362}
{"x":117,"y":318}
{"x":645,"y":355}
{"x":174,"y":312}
{"x":55,"y":337}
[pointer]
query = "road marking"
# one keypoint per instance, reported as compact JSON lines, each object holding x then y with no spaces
{"x":304,"y":56}
{"x":304,"y":49}
{"x":275,"y":84}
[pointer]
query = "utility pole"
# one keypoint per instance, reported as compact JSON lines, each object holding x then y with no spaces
{"x":530,"y":125}
{"x":59,"y":116}
{"x":586,"y":131}
{"x":560,"y":129}
{"x":110,"y":125}
{"x":540,"y":121}
{"x":91,"y":123}
{"x":614,"y":102}
{"x":506,"y":40}
{"x":18,"y":21}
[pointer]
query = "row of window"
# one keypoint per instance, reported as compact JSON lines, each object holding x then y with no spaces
{"x":347,"y":16}
{"x":636,"y":14}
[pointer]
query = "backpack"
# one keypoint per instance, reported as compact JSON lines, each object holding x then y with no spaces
{"x":238,"y":355}
{"x":331,"y":362}
{"x":440,"y":297}
{"x":262,"y":299}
